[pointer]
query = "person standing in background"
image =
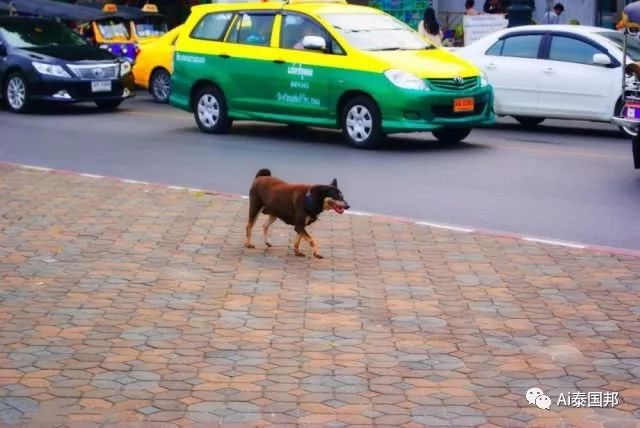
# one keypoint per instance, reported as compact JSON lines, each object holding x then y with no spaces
{"x":469,"y":8}
{"x":493,"y":6}
{"x":430,"y":28}
{"x":553,"y":16}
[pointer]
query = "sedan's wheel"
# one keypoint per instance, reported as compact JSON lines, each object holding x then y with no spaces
{"x":625,"y":130}
{"x":160,"y":86}
{"x":16,"y":93}
{"x":361,"y":123}
{"x":451,"y":135}
{"x":210,"y":111}
{"x":528,"y":121}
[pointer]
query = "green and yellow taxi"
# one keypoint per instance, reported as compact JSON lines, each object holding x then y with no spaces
{"x":323,"y":63}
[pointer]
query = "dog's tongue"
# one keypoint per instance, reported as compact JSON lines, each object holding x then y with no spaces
{"x":338,"y":209}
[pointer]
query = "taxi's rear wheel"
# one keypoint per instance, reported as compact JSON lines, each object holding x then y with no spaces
{"x":361,"y":123}
{"x":451,"y":135}
{"x":160,"y":86}
{"x":210,"y":111}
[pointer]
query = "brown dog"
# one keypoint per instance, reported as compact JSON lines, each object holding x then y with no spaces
{"x":296,"y":204}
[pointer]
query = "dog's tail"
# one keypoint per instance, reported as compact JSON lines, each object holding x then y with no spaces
{"x":264,"y":172}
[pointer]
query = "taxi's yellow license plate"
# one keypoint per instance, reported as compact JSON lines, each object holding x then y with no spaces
{"x":461,"y":105}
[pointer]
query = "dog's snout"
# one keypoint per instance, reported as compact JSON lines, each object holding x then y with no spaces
{"x":346,"y":206}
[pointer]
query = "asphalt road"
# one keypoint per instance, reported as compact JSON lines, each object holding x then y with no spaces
{"x":565,"y":180}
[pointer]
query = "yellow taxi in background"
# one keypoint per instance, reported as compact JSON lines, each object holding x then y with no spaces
{"x":154,"y":65}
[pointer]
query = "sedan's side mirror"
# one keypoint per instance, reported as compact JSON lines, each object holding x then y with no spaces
{"x":314,"y":43}
{"x":3,"y":49}
{"x":601,"y":59}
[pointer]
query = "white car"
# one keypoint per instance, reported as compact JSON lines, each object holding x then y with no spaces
{"x":554,"y":71}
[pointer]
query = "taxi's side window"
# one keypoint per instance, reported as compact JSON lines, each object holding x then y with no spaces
{"x":212,"y":26}
{"x":296,"y":27}
{"x":252,"y":29}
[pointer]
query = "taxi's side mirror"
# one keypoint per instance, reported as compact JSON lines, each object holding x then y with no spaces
{"x":314,"y":43}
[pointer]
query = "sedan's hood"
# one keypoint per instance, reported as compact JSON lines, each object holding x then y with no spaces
{"x":428,"y":63}
{"x":66,"y":53}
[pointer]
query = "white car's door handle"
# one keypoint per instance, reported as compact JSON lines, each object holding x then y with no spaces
{"x":548,"y":71}
{"x":491,"y":66}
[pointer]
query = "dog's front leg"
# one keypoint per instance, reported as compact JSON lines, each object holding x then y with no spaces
{"x":303,"y":234}
{"x":314,"y":245}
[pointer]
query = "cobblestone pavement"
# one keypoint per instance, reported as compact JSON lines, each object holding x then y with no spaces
{"x":134,"y":304}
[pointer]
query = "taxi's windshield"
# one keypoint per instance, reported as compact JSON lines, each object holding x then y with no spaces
{"x":376,"y":32}
{"x":151,"y":27}
{"x":633,"y":45}
{"x":113,"y":29}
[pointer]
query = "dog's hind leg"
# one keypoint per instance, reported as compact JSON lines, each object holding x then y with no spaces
{"x":266,"y":227}
{"x":296,"y":246}
{"x":254,"y":210}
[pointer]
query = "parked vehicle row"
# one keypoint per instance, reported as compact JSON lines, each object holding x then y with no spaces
{"x":118,"y":29}
{"x":327,"y":63}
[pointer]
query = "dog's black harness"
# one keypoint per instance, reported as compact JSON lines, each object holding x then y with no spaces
{"x":308,"y":201}
{"x":309,"y":206}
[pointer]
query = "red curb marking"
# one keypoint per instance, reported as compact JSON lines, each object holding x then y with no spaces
{"x":382,"y":217}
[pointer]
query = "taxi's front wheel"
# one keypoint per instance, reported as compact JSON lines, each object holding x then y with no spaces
{"x":210,"y":111}
{"x":361,"y":123}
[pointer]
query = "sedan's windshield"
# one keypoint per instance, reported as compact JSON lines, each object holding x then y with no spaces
{"x":113,"y":29}
{"x":633,"y":45}
{"x":376,"y":32}
{"x":24,"y":34}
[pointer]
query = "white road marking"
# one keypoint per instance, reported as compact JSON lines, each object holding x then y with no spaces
{"x":554,"y":242}
{"x":444,"y":226}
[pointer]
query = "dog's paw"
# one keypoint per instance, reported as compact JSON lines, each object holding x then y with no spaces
{"x":249,"y":246}
{"x":268,"y":244}
{"x":299,"y":254}
{"x":318,"y":256}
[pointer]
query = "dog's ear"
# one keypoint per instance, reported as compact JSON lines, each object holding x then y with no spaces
{"x":334,"y":183}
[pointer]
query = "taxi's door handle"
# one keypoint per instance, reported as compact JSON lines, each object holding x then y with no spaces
{"x":225,"y":56}
{"x":278,"y":61}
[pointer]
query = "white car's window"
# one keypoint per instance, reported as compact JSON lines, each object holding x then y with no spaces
{"x":571,"y":50}
{"x":212,"y":26}
{"x":376,"y":32}
{"x":525,"y":46}
{"x":495,"y":49}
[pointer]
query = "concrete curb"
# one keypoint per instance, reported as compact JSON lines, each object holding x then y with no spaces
{"x":461,"y":229}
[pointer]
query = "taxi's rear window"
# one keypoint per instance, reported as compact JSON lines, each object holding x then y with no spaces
{"x":212,"y":26}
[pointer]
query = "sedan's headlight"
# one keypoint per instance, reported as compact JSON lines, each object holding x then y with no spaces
{"x":50,"y":69}
{"x":125,"y":67}
{"x":405,"y":80}
{"x":483,"y":80}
